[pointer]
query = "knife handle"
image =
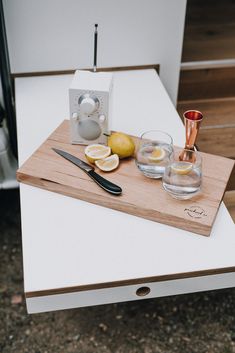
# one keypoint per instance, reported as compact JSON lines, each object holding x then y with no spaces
{"x":104,"y":183}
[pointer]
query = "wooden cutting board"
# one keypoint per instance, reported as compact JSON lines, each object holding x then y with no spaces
{"x":142,"y":197}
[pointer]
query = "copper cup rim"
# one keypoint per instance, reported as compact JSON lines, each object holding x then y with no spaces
{"x":194,"y":111}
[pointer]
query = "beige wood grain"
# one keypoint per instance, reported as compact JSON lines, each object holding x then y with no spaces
{"x":217,"y":131}
{"x":141,"y":196}
{"x":209,"y":30}
{"x":207,"y":83}
{"x":218,"y":112}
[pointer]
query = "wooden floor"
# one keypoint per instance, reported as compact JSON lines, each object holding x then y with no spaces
{"x":210,"y":35}
{"x":217,"y":133}
{"x":207,"y":83}
{"x":209,"y":30}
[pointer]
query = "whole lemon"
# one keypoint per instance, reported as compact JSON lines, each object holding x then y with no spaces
{"x":121,"y":144}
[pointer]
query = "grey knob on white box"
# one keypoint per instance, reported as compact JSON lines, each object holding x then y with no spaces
{"x":75,"y":116}
{"x":88,"y":104}
{"x":102,"y":118}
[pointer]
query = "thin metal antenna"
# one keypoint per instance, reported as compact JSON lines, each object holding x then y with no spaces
{"x":95,"y":47}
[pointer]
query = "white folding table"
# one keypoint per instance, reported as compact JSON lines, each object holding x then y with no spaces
{"x":79,"y":254}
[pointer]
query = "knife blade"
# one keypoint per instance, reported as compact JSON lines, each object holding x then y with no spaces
{"x":89,"y":170}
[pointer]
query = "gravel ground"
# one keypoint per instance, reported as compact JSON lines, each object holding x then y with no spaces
{"x":203,"y":322}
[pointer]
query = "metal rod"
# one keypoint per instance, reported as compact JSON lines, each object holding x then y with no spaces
{"x":95,"y":47}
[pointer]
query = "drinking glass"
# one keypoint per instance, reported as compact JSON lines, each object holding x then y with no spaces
{"x":153,"y":152}
{"x":182,"y":179}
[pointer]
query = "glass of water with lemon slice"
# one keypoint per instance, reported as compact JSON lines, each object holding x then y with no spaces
{"x":182,"y":179}
{"x":153,"y":152}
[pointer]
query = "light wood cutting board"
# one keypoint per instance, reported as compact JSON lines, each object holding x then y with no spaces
{"x":142,"y":197}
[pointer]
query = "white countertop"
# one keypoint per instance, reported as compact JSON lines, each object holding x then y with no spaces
{"x":69,"y":242}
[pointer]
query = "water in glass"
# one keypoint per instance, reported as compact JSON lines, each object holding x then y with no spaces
{"x":152,"y":158}
{"x":182,"y":179}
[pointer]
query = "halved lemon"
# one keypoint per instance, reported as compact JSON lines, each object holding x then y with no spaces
{"x":157,"y":155}
{"x":108,"y":164}
{"x":95,"y":152}
{"x":182,"y":168}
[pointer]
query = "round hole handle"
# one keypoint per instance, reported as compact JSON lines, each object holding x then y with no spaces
{"x":143,"y":291}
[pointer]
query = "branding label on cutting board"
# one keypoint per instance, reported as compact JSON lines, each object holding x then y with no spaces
{"x":195,"y":212}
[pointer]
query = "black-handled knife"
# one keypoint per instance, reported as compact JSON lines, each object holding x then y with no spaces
{"x":89,"y":170}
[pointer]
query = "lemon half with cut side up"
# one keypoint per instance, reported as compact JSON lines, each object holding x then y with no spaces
{"x":95,"y":152}
{"x":182,"y":168}
{"x":157,"y":155}
{"x":108,"y":164}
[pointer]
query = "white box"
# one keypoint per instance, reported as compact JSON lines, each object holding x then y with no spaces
{"x":90,"y":96}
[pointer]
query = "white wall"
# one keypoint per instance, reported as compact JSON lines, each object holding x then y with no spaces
{"x":58,"y":34}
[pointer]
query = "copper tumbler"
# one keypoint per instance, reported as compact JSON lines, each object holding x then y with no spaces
{"x":192,"y":121}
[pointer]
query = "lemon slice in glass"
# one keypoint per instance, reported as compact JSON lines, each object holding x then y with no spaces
{"x":157,"y":155}
{"x":182,"y":168}
{"x":95,"y":152}
{"x":108,"y":164}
